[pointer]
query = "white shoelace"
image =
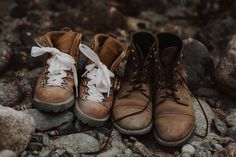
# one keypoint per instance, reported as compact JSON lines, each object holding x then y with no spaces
{"x":98,"y":74}
{"x":58,"y":63}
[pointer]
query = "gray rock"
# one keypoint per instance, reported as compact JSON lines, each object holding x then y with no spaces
{"x":78,"y":143}
{"x":231,"y":119}
{"x":9,"y":94}
{"x":7,"y":153}
{"x":229,"y":151}
{"x":5,"y":55}
{"x":201,"y":119}
{"x":16,"y":129}
{"x":217,"y":147}
{"x":34,"y":146}
{"x":185,"y":155}
{"x":201,"y":152}
{"x":225,"y":141}
{"x":141,"y":149}
{"x":225,"y":70}
{"x":232,"y":132}
{"x":198,"y":62}
{"x":188,"y":149}
{"x":220,"y":126}
{"x":48,"y":121}
{"x":46,"y":152}
{"x":117,"y":146}
{"x":66,"y":128}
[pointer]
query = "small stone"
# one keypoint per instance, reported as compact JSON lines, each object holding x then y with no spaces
{"x":60,"y":152}
{"x":220,"y":126}
{"x":228,"y":151}
{"x":66,"y":128}
{"x":78,"y":125}
{"x":35,"y":152}
{"x":34,"y":146}
{"x":79,"y":143}
{"x":185,"y":155}
{"x":188,"y":149}
{"x":46,"y":152}
{"x":231,"y":119}
{"x":48,"y":121}
{"x":232,"y":132}
{"x":141,"y":149}
{"x":23,"y":154}
{"x":217,"y":147}
{"x":201,"y":152}
{"x":206,"y":145}
{"x":16,"y":129}
{"x":226,"y":141}
{"x":46,"y":139}
{"x":7,"y":153}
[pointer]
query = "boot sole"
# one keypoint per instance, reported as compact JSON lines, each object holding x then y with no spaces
{"x":176,"y":143}
{"x":53,"y":107}
{"x":86,"y":119}
{"x":133,"y":132}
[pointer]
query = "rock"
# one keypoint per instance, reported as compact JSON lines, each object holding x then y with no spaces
{"x":225,"y":70}
{"x":207,"y":92}
{"x":199,"y":64}
{"x":7,"y":153}
{"x":201,"y":152}
{"x":220,"y":126}
{"x":78,"y":143}
{"x":141,"y":149}
{"x":24,"y":104}
{"x":232,"y":132}
{"x":45,"y":139}
{"x":32,"y":146}
{"x":188,"y":149}
{"x":225,"y":141}
{"x":217,"y":147}
{"x":48,"y":121}
{"x":117,"y":146}
{"x":66,"y":128}
{"x":5,"y":55}
{"x":231,"y":119}
{"x":16,"y":129}
{"x":229,"y":151}
{"x":185,"y":155}
{"x":200,"y":118}
{"x":9,"y":94}
{"x":46,"y":152}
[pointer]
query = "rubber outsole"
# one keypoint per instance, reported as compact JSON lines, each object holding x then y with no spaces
{"x":133,"y":132}
{"x":176,"y":143}
{"x":53,"y":107}
{"x":86,"y":119}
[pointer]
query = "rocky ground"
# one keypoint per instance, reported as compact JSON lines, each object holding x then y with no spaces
{"x":208,"y":29}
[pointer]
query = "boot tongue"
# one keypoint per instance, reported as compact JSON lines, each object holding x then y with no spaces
{"x":64,"y":42}
{"x":109,"y":51}
{"x":169,"y":56}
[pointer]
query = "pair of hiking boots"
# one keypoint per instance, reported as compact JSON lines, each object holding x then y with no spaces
{"x":152,"y":92}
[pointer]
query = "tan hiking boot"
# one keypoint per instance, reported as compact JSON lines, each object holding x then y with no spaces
{"x":54,"y":87}
{"x":97,"y":84}
{"x":174,"y":116}
{"x":132,"y":110}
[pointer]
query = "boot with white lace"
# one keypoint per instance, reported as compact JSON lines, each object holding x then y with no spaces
{"x":54,"y":88}
{"x":98,"y":83}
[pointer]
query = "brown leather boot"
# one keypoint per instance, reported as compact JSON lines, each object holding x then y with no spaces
{"x":132,"y":110}
{"x":54,"y":87}
{"x":98,"y":83}
{"x":174,"y":116}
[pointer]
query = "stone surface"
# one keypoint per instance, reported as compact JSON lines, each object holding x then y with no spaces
{"x":5,"y":55}
{"x":9,"y":94}
{"x":141,"y":149}
{"x":232,"y":132}
{"x":198,"y":63}
{"x":225,"y":71}
{"x":117,"y":146}
{"x":188,"y":149}
{"x":231,"y":119}
{"x":7,"y":153}
{"x":220,"y":126}
{"x":78,"y":143}
{"x":16,"y":129}
{"x":48,"y":121}
{"x":229,"y":151}
{"x":201,"y":125}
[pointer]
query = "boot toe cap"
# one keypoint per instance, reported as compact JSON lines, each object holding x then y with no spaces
{"x":174,"y":128}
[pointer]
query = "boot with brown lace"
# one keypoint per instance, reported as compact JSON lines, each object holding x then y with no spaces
{"x":97,"y":84}
{"x":54,"y":87}
{"x":174,"y":118}
{"x":132,"y":110}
